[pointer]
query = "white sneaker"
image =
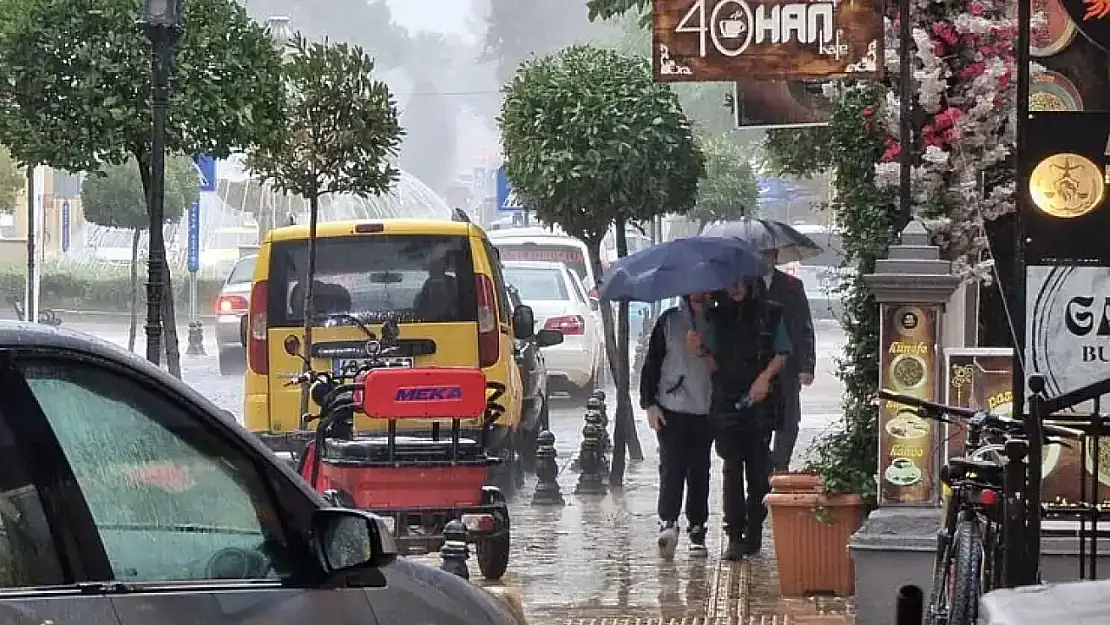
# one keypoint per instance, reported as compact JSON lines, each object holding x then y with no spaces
{"x":668,"y":541}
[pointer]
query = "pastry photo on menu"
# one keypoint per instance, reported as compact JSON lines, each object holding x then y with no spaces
{"x":909,"y":371}
{"x":907,"y":425}
{"x":902,"y":472}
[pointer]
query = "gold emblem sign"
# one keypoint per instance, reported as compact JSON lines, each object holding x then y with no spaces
{"x":1067,"y":185}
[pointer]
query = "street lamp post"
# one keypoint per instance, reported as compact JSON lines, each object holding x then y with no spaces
{"x":161,"y":20}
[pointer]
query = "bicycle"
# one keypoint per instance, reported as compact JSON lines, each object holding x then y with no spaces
{"x":969,"y":553}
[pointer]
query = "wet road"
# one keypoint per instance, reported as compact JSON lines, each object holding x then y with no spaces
{"x":596,"y":556}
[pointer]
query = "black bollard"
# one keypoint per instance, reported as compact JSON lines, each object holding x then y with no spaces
{"x":547,"y":471}
{"x":196,"y":339}
{"x":597,"y":406}
{"x":909,"y":606}
{"x":593,"y":417}
{"x":455,"y":551}
{"x":590,"y":480}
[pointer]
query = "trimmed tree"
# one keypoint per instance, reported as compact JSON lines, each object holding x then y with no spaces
{"x":592,"y":142}
{"x":75,"y":90}
{"x":113,"y":197}
{"x":340,"y":131}
{"x":11,"y":180}
{"x":728,"y":191}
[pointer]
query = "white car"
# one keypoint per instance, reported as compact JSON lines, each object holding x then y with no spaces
{"x":559,"y":302}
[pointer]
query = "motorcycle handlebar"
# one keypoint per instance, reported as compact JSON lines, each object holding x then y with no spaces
{"x":936,"y":411}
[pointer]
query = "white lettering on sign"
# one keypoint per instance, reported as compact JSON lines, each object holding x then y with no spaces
{"x":731,"y":27}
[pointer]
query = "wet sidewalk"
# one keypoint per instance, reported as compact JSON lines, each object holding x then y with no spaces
{"x":595,"y":560}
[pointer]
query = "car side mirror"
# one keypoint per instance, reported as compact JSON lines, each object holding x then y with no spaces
{"x":594,"y":304}
{"x":524,"y":322}
{"x":547,"y":338}
{"x":344,"y":539}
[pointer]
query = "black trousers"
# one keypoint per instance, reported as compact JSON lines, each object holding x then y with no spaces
{"x":684,"y":458}
{"x":786,"y":434}
{"x":746,"y":452}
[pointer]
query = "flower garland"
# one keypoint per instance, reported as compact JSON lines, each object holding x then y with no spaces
{"x":964,"y":72}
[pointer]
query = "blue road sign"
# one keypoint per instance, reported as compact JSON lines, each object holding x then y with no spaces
{"x":65,"y":226}
{"x":506,"y":199}
{"x":206,"y":171}
{"x":193,"y":254}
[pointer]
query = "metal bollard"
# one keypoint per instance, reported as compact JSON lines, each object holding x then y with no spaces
{"x":196,"y":339}
{"x":455,"y":552}
{"x":593,"y":417}
{"x":909,"y":605}
{"x":596,"y":405}
{"x":590,"y":480}
{"x":547,"y":471}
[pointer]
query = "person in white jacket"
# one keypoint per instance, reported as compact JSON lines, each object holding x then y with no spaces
{"x":675,"y":390}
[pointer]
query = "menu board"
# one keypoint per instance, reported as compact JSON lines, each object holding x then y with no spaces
{"x":982,"y":379}
{"x":908,"y":364}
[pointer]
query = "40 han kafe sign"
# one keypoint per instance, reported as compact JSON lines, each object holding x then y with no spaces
{"x":1068,"y":326}
{"x":725,"y":40}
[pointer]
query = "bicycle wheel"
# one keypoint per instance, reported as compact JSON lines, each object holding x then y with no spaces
{"x":967,"y":576}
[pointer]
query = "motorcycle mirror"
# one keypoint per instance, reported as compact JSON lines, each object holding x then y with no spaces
{"x":292,"y":346}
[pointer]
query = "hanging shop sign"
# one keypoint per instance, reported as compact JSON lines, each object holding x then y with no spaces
{"x":1063,"y":187}
{"x":1052,"y":91}
{"x":908,"y":336}
{"x":1057,"y":31}
{"x":780,"y":104}
{"x":1067,"y":330}
{"x":1092,"y":18}
{"x":728,"y":40}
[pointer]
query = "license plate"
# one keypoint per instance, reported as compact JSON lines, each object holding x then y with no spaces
{"x":351,"y":365}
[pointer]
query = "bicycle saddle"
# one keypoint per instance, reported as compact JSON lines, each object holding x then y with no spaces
{"x":984,"y":468}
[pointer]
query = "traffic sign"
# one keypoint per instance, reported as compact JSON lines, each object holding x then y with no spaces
{"x":65,"y":226}
{"x":206,"y":171}
{"x":193,"y":253}
{"x":507,"y":201}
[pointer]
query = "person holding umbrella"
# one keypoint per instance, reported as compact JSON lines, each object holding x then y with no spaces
{"x":781,"y":244}
{"x":675,"y":391}
{"x":678,"y":382}
{"x":746,"y":339}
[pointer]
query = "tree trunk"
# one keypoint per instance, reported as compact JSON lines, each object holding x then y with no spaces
{"x":133,"y":307}
{"x":624,"y":379}
{"x":309,"y":279}
{"x":169,"y":326}
{"x":616,"y":473}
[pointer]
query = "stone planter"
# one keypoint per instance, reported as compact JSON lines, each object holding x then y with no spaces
{"x":811,"y":531}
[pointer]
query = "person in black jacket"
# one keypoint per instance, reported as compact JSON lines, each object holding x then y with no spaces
{"x":790,"y":293}
{"x":747,"y":342}
{"x":675,"y":388}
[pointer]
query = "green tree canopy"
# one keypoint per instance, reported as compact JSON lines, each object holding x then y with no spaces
{"x":12,"y":180}
{"x":340,"y":128}
{"x":590,"y":139}
{"x":113,"y":196}
{"x":728,"y":191}
{"x":75,"y":83}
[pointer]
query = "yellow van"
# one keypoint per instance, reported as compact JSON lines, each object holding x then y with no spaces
{"x":441,"y":279}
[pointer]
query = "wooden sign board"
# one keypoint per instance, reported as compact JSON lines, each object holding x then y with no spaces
{"x":727,"y":40}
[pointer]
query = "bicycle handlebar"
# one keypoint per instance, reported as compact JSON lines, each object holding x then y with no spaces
{"x":934,"y":410}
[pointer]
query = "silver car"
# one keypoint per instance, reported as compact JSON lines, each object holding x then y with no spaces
{"x":128,"y":498}
{"x":231,"y":313}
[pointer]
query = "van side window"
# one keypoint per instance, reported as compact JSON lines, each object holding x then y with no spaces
{"x":504,"y":314}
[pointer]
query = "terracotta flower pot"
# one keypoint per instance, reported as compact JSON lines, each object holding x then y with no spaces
{"x":811,"y":531}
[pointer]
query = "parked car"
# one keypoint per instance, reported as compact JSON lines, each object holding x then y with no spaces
{"x":535,"y":410}
{"x":558,"y":302}
{"x":131,"y":499}
{"x":541,"y":244}
{"x":231,"y":317}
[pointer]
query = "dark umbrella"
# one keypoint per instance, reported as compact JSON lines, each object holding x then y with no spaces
{"x":681,"y":267}
{"x":766,"y":235}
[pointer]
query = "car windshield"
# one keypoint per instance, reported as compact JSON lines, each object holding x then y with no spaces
{"x":538,"y":285}
{"x":569,"y":254}
{"x":412,"y":276}
{"x":243,"y":271}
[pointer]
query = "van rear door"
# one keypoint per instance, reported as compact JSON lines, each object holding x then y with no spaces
{"x":426,"y":281}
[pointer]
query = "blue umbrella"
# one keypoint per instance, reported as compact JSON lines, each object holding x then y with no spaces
{"x":680,"y":267}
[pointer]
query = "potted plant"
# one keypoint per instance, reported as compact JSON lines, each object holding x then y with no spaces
{"x":815,"y":512}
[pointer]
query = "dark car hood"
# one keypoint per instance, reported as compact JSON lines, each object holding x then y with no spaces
{"x":417,"y":593}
